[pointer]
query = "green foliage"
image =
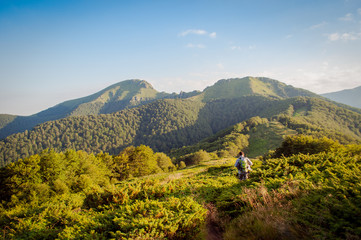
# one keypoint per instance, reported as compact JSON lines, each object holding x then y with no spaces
{"x":137,"y":161}
{"x":231,"y":88}
{"x":40,"y":177}
{"x":328,"y":188}
{"x":164,"y":162}
{"x":303,"y":196}
{"x":173,"y":123}
{"x":200,"y":156}
{"x":182,"y":165}
{"x":304,"y":144}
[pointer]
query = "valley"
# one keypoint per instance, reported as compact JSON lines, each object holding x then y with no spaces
{"x":133,"y":163}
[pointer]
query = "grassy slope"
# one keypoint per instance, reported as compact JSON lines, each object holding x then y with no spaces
{"x":267,"y":137}
{"x":284,"y":199}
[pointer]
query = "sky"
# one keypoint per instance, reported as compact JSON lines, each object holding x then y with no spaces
{"x":53,"y":51}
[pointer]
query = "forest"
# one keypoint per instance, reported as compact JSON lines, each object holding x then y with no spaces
{"x":170,"y":124}
{"x":308,"y":188}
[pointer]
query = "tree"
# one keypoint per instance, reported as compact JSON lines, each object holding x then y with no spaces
{"x":164,"y":162}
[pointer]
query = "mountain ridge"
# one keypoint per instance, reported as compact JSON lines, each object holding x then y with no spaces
{"x":168,"y":124}
{"x":123,"y":94}
{"x":166,"y":121}
{"x":349,"y":97}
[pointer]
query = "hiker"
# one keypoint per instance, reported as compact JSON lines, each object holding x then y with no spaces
{"x":243,"y":164}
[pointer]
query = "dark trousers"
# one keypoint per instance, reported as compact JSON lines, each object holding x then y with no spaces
{"x":243,"y":175}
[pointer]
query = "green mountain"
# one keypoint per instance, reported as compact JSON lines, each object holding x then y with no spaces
{"x":168,"y":124}
{"x":351,"y":97}
{"x":249,"y":86}
{"x":132,"y":93}
{"x":114,"y":98}
{"x":5,"y":119}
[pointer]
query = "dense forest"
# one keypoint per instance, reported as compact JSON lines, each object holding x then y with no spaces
{"x":173,"y":123}
{"x":308,"y":188}
{"x":133,"y":93}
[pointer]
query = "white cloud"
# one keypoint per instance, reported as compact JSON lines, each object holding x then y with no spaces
{"x":347,"y":17}
{"x":213,"y":35}
{"x":220,"y":66}
{"x":191,"y":45}
{"x":236,"y":48}
{"x":334,"y":37}
{"x":350,"y":36}
{"x":239,"y":48}
{"x":316,"y":26}
{"x":193,"y":31}
{"x":359,"y":11}
{"x":328,"y":78}
{"x":198,"y":32}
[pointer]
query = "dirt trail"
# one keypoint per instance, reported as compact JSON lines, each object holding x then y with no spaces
{"x":213,"y":225}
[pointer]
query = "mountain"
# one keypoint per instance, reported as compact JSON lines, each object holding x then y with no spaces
{"x":5,"y":119}
{"x":114,"y":98}
{"x":132,"y":93}
{"x":249,"y":86}
{"x":351,"y":97}
{"x":167,"y":124}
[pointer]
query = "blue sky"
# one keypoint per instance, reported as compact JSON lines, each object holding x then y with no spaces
{"x":52,"y":51}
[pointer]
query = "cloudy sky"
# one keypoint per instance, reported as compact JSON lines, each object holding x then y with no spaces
{"x":52,"y":51}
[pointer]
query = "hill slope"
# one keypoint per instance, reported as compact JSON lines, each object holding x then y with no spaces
{"x":174,"y":123}
{"x":351,"y":97}
{"x":114,"y":98}
{"x":249,"y":86}
{"x":132,"y":93}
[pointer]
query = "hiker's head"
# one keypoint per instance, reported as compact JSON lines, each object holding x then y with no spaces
{"x":241,"y":154}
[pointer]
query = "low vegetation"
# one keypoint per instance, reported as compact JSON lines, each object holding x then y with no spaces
{"x":300,"y":194}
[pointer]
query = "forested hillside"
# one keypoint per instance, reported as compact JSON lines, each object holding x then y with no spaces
{"x":174,"y":123}
{"x":114,"y":98}
{"x":312,"y":192}
{"x":133,"y":93}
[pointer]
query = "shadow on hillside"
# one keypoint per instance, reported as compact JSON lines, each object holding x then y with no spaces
{"x":216,"y":115}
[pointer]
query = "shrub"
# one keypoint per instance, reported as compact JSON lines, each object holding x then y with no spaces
{"x":164,"y":162}
{"x":182,"y":165}
{"x":200,"y":156}
{"x":304,"y":144}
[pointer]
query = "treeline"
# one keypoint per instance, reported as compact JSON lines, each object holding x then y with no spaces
{"x":43,"y":176}
{"x":170,"y":124}
{"x":256,"y":136}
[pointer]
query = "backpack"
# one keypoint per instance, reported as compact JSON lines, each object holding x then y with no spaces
{"x":242,"y":164}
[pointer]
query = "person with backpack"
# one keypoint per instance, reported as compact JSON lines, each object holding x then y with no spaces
{"x":243,"y":164}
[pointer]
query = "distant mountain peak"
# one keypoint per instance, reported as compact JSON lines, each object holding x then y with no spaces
{"x":349,"y":97}
{"x":247,"y":86}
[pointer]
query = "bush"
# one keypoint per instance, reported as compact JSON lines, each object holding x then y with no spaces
{"x":304,"y":144}
{"x":200,"y":156}
{"x":164,"y":162}
{"x":182,"y":165}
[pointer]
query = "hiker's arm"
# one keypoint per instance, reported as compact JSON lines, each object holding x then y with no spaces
{"x":249,"y":162}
